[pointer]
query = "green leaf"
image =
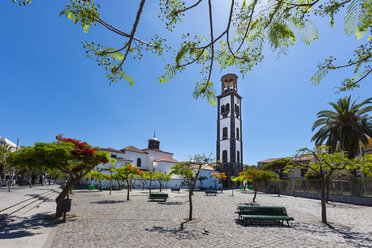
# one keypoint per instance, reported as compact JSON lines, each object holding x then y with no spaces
{"x":182,"y":52}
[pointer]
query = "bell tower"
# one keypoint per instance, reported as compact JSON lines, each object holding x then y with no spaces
{"x":229,"y":128}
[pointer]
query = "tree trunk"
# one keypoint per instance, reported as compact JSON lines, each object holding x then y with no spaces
{"x":150,"y":185}
{"x":110,"y":183}
{"x":22,"y":178}
{"x":100,"y":186}
{"x":322,"y":199}
{"x":119,"y":184}
{"x":278,"y":189}
{"x":221,"y":186}
{"x":354,"y":184}
{"x":1,"y":173}
{"x":327,"y":182}
{"x":160,"y":186}
{"x":190,"y":204}
{"x":143,"y":186}
{"x":255,"y":192}
{"x":128,"y":190}
{"x":71,"y":182}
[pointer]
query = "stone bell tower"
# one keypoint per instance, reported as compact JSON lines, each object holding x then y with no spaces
{"x":229,"y":128}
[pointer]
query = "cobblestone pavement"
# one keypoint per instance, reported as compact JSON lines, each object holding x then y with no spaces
{"x":102,"y":220}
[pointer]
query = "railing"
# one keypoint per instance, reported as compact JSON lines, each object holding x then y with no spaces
{"x":336,"y":186}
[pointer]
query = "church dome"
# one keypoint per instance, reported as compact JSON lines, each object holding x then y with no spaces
{"x":154,"y":143}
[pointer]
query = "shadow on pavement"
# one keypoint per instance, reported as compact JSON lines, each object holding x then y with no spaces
{"x":12,"y":228}
{"x":353,"y":239}
{"x":107,"y":202}
{"x":178,"y":233}
{"x":170,"y":203}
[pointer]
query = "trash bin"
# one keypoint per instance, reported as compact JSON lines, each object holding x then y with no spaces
{"x":250,"y":187}
{"x":73,"y":187}
{"x":66,"y":205}
{"x":240,"y":187}
{"x":91,"y":187}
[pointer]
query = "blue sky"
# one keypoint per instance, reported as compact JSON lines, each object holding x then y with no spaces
{"x":48,"y":86}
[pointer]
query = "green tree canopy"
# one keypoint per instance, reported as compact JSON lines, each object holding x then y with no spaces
{"x":277,"y":166}
{"x":249,"y":27}
{"x":345,"y":127}
{"x":69,"y":156}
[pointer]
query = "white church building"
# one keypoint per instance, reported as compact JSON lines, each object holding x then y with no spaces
{"x":152,"y":159}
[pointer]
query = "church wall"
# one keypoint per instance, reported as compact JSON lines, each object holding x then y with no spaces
{"x":134,"y":156}
{"x":154,"y":155}
{"x":165,"y":167}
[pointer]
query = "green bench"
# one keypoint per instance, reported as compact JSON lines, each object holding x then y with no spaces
{"x":211,"y":192}
{"x":158,"y":196}
{"x":259,"y":213}
{"x":173,"y":190}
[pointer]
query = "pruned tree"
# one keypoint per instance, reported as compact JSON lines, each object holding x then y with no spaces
{"x":127,"y":173}
{"x":97,"y":175}
{"x":190,"y":171}
{"x":256,"y":177}
{"x":328,"y":163}
{"x":277,"y":166}
{"x":221,"y":177}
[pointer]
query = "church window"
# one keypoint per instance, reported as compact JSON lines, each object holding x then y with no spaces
{"x":224,"y":156}
{"x":238,"y":155}
{"x":224,"y":133}
{"x":222,"y":108}
{"x":113,"y":156}
{"x":227,"y":107}
{"x":139,"y":162}
{"x":237,"y":133}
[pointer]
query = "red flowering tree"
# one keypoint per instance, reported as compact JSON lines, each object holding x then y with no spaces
{"x":127,"y":173}
{"x":70,"y":157}
{"x":220,"y":176}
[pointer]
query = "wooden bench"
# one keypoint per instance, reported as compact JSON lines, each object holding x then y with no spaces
{"x":173,"y":190}
{"x":158,"y":196}
{"x":211,"y":192}
{"x":258,"y":213}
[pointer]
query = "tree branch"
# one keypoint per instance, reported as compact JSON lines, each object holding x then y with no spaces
{"x":186,"y":9}
{"x":248,"y":26}
{"x":139,"y":12}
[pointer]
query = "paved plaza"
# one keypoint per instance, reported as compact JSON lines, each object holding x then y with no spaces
{"x":98,"y":219}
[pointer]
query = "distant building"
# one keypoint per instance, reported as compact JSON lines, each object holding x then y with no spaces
{"x":8,"y":143}
{"x":294,"y":173}
{"x":151,"y":159}
{"x":367,"y":149}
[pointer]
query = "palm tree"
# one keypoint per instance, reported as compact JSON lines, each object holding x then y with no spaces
{"x":345,"y":128}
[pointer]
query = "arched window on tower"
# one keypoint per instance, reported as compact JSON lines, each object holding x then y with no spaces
{"x":227,"y":107}
{"x":224,"y":156}
{"x":222,"y":109}
{"x":237,"y":133}
{"x":237,"y":110}
{"x":224,"y":133}
{"x":238,"y":155}
{"x":139,"y":162}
